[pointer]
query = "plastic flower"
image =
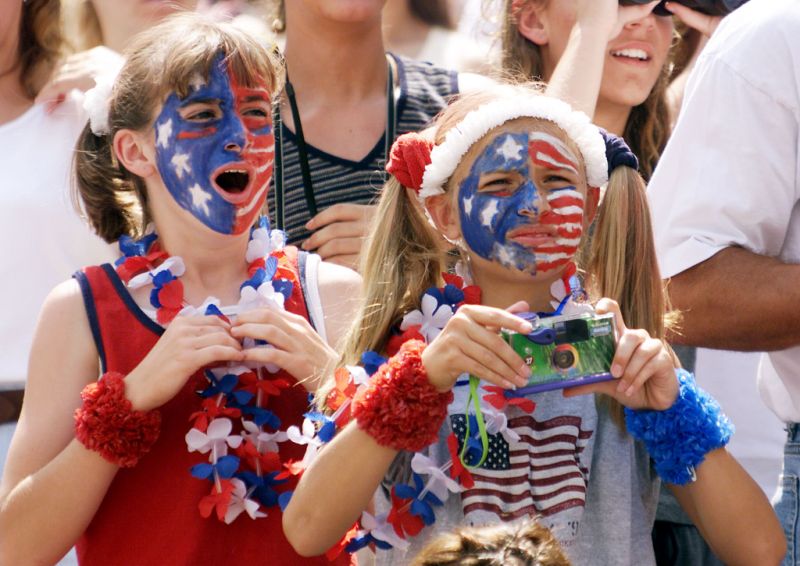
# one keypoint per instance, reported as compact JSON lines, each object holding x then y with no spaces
{"x":431,"y":318}
{"x":216,"y":439}
{"x":239,"y":503}
{"x":263,"y":441}
{"x":439,"y":483}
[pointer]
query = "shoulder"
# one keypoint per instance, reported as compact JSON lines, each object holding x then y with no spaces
{"x":340,"y":291}
{"x":341,"y":280}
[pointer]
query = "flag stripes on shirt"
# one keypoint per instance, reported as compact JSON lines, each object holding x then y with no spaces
{"x":539,"y":475}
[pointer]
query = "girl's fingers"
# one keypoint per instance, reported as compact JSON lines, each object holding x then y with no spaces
{"x":476,"y":368}
{"x":216,"y":337}
{"x":492,"y":351}
{"x":266,"y":355}
{"x":645,"y":373}
{"x":267,"y":332}
{"x":217,"y":353}
{"x":704,"y":23}
{"x":605,"y":306}
{"x":497,"y":318}
{"x":643,"y":354}
{"x":519,"y":306}
{"x":284,"y":320}
{"x":626,"y":346}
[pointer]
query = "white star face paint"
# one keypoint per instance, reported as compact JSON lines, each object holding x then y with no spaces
{"x":506,"y":217}
{"x":214,"y":149}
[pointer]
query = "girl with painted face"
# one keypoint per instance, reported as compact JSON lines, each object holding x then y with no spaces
{"x":513,"y":178}
{"x":207,"y":334}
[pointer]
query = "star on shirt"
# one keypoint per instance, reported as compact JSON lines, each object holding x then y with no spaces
{"x":488,"y":214}
{"x":468,"y":205}
{"x":180,"y":161}
{"x":510,"y":149}
{"x":200,"y":198}
{"x":164,"y":133}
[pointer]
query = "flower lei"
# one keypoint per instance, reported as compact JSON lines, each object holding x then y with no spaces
{"x":413,"y":504}
{"x":244,"y":481}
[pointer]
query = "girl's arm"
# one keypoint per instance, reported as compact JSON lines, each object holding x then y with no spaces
{"x":52,"y":485}
{"x":732,"y":512}
{"x":579,"y":72}
{"x":340,"y":482}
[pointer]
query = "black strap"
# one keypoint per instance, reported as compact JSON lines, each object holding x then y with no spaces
{"x":302,"y":148}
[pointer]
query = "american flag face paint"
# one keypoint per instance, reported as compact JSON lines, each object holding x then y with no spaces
{"x":215,"y":149}
{"x":507,"y":218}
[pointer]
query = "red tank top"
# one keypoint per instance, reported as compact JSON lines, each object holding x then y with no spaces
{"x":150,"y":514}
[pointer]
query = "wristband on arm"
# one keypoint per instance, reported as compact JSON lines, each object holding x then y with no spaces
{"x":107,"y":423}
{"x":679,"y":438}
{"x":400,"y":408}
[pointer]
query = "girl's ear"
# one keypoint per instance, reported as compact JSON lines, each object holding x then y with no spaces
{"x":530,"y":24}
{"x":592,"y":202}
{"x":444,"y":216}
{"x":135,"y":152}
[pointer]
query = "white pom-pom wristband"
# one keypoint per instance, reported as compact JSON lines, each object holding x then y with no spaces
{"x":446,"y":156}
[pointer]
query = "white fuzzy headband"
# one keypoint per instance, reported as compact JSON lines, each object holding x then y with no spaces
{"x":445,"y":157}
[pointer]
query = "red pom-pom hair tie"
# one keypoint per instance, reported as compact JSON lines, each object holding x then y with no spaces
{"x":409,"y":156}
{"x":400,"y":408}
{"x":108,"y":424}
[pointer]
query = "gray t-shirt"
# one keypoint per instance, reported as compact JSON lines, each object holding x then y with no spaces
{"x":566,"y":463}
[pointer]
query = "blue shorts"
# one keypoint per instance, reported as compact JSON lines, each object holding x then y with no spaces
{"x":787,"y":498}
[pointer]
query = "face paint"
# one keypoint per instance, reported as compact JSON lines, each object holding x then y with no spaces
{"x":513,"y":222}
{"x":215,"y":148}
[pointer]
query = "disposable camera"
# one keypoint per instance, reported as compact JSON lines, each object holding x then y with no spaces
{"x":711,"y":7}
{"x":565,"y":351}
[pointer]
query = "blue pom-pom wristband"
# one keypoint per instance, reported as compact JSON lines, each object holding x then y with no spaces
{"x":679,"y":438}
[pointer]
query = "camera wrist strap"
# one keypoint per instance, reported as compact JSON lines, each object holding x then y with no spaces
{"x":474,"y":398}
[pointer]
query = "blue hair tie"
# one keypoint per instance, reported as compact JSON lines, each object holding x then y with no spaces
{"x":679,"y":438}
{"x":618,"y":153}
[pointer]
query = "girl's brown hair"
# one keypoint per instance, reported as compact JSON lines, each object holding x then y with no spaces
{"x":161,"y":60}
{"x":526,"y":544}
{"x":404,"y":256}
{"x":648,"y":126}
{"x":41,"y":43}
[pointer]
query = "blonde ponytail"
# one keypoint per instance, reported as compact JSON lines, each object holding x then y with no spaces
{"x":622,"y":262}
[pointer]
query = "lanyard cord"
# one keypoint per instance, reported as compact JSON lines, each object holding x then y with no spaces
{"x":302,"y":148}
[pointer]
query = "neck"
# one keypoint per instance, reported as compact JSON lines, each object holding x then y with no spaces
{"x":612,"y":117}
{"x":500,"y":292}
{"x":215,"y":264}
{"x":115,"y":37}
{"x":335,"y":62}
{"x":402,"y":31}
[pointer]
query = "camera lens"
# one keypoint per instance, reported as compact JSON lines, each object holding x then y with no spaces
{"x":563,"y":359}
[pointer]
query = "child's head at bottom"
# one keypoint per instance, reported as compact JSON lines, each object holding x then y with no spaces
{"x":519,"y":544}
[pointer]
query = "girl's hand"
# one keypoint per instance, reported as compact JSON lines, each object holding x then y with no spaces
{"x":642,"y":367}
{"x":188,"y":344}
{"x":297,"y":348}
{"x":703,"y":23}
{"x":78,"y":71}
{"x":470,"y":343}
{"x":609,"y":16}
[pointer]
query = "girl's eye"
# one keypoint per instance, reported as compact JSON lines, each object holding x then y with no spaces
{"x":203,"y":115}
{"x":256,"y":112}
{"x":499,"y":187}
{"x":557,"y":179}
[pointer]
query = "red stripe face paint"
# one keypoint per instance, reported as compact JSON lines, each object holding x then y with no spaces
{"x":507,"y":218}
{"x":214,"y":149}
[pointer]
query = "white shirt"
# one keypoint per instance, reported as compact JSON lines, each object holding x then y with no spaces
{"x":730,"y":175}
{"x":42,"y":239}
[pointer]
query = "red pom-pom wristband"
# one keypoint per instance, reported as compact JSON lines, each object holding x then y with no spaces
{"x":108,"y":424}
{"x":400,"y":408}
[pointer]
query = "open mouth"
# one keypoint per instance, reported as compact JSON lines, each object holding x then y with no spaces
{"x":232,"y":182}
{"x":632,"y":55}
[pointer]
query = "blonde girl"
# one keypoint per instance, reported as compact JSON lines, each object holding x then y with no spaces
{"x":160,"y":388}
{"x":513,"y":178}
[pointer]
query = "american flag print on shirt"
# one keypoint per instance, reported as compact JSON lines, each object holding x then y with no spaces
{"x":543,"y":473}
